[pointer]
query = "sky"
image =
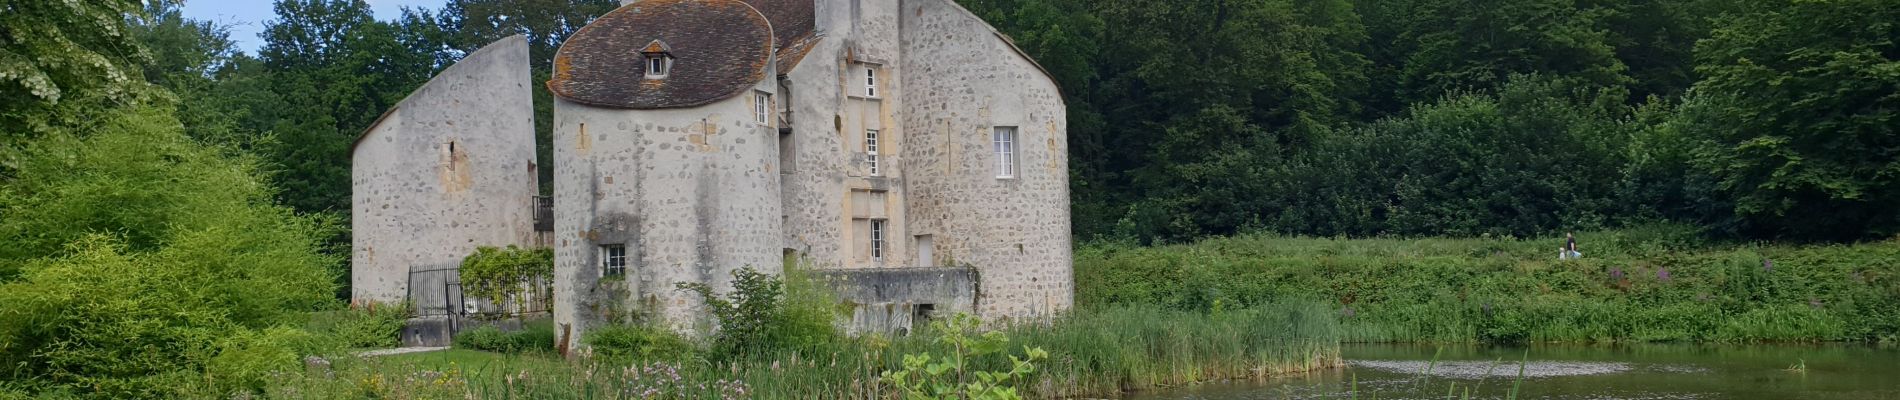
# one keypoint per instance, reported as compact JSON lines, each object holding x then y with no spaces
{"x":246,"y":17}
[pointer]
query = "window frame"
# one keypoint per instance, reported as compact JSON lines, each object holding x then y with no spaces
{"x":879,"y":229}
{"x":612,"y":264}
{"x":871,"y":151}
{"x":870,"y":80}
{"x":762,"y":107}
{"x":1004,"y":142}
{"x":658,"y":65}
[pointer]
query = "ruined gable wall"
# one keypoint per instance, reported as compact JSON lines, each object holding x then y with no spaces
{"x":962,"y":81}
{"x":415,"y":203}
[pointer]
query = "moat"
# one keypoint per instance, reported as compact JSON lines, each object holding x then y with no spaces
{"x":1658,"y":371}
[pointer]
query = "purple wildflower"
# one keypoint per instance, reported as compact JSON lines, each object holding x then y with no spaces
{"x":1859,"y":277}
{"x":1767,"y":265}
{"x":1702,"y":297}
{"x":1813,"y":302}
{"x":1347,"y":312}
{"x":1487,"y":309}
{"x":1662,"y":274}
{"x":1616,"y":273}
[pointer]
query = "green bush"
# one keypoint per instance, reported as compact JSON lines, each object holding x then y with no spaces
{"x":623,"y":343}
{"x":372,"y":325}
{"x":757,"y":317}
{"x":536,"y":336}
{"x":140,"y":255}
{"x":499,"y":274}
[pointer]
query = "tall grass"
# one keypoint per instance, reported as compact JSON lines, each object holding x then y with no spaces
{"x":1092,"y":353}
{"x":1656,"y":284}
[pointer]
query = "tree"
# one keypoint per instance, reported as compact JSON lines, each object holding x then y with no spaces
{"x":62,"y":63}
{"x":1799,"y":117}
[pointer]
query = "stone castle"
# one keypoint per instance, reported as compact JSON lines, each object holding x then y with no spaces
{"x":903,"y":148}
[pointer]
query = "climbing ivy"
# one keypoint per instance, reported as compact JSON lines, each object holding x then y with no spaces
{"x":498,"y":274}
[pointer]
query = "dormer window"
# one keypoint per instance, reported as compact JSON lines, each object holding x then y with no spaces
{"x":659,"y":59}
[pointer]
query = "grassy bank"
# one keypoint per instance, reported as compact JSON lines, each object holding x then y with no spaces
{"x":1656,"y":284}
{"x":1091,"y":353}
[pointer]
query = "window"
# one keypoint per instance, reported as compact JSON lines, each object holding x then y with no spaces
{"x":870,"y":151}
{"x":1005,"y":139}
{"x":613,"y":260}
{"x":877,"y":240}
{"x":870,"y":81}
{"x":762,"y":106}
{"x":659,"y":59}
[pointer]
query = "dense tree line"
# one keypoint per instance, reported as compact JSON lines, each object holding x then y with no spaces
{"x":1755,"y":118}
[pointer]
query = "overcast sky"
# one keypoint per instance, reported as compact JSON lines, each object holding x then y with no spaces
{"x":247,"y":17}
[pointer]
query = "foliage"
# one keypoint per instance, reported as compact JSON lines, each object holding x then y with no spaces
{"x":621,"y":343}
{"x":62,"y":63}
{"x":1656,"y":284}
{"x":138,"y":251}
{"x":950,"y":376}
{"x":1092,"y":353}
{"x":535,"y":336}
{"x":502,"y":275}
{"x":1798,"y":116}
{"x":755,"y":318}
{"x":374,"y":325}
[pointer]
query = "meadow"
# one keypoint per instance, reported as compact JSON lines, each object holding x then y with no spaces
{"x":1653,"y":284}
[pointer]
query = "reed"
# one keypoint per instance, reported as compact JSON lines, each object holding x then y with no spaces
{"x":1096,"y":352}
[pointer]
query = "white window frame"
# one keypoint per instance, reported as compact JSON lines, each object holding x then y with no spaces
{"x":878,"y":229}
{"x":613,"y":260}
{"x":870,"y":80}
{"x":658,"y":65}
{"x":871,"y":152}
{"x":1004,"y":141}
{"x":762,"y":106}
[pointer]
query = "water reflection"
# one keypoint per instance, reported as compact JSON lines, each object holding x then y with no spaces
{"x":1583,"y":372}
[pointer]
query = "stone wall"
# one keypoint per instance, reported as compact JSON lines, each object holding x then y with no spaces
{"x":450,"y":168}
{"x":897,"y":300}
{"x":962,"y":80}
{"x":831,"y":194}
{"x":691,"y":192}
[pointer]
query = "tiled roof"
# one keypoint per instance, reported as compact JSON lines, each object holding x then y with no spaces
{"x":792,"y":24}
{"x":719,"y":50}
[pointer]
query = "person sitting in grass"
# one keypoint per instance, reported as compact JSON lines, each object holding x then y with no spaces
{"x":1569,"y":251}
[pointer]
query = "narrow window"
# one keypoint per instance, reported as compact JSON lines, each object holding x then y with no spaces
{"x":762,"y":106}
{"x":870,"y":151}
{"x":613,"y":260}
{"x":877,"y":240}
{"x":1005,"y":139}
{"x":870,"y":81}
{"x":656,"y":66}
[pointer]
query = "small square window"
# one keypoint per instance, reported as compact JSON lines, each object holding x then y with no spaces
{"x":871,"y":152}
{"x":613,"y":260}
{"x":1005,"y":143}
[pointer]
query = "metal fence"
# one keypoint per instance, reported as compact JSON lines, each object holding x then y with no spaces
{"x":543,"y":214}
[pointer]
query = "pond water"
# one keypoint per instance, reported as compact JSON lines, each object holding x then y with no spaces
{"x":1582,"y":372}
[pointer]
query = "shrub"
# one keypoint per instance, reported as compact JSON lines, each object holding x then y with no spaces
{"x":537,"y":336}
{"x":373,"y":325}
{"x":140,"y":252}
{"x":637,"y":343}
{"x":756,"y":317}
{"x":502,"y":275}
{"x":951,"y":376}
